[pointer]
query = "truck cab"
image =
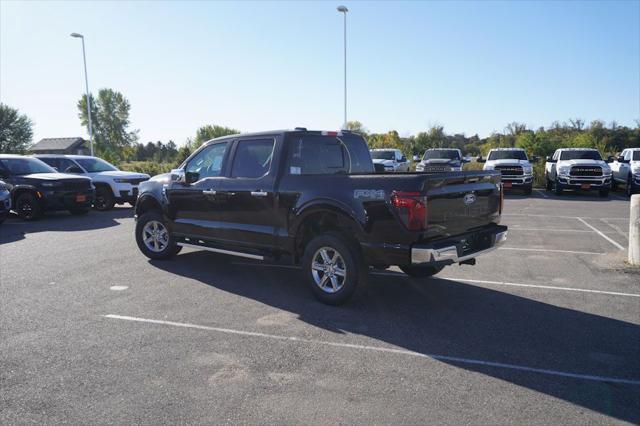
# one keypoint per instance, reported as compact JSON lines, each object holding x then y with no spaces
{"x":625,"y":170}
{"x":577,"y":169}
{"x":514,"y":166}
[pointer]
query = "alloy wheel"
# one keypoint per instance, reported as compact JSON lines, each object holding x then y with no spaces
{"x":328,"y":269}
{"x":155,"y":236}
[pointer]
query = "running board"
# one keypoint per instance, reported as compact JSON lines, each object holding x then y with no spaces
{"x":229,"y":252}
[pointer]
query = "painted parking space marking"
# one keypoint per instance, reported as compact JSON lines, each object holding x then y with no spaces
{"x":517,"y":228}
{"x":541,"y":192}
{"x":547,"y":287}
{"x":597,"y":231}
{"x":616,"y":227}
{"x":446,"y":358}
{"x":551,"y":250}
{"x":118,"y":287}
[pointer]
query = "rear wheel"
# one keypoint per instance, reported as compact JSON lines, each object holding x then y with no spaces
{"x":333,"y":268}
{"x":421,"y":271}
{"x":104,"y":199}
{"x":28,"y":207}
{"x":154,"y":238}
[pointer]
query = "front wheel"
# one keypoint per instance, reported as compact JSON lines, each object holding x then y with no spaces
{"x":603,"y":193}
{"x":421,"y":271}
{"x":528,"y":189}
{"x":629,"y":189}
{"x":104,"y":199}
{"x":549,"y":184}
{"x":154,"y":237}
{"x":28,"y":207}
{"x":333,"y":268}
{"x":557,"y":188}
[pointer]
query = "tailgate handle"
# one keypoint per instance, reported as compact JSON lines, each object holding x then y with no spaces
{"x":258,"y":193}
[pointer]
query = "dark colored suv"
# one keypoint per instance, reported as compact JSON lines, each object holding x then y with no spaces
{"x":36,"y":187}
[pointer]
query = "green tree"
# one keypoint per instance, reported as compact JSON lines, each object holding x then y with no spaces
{"x":110,"y":122}
{"x":356,"y":126}
{"x":209,"y":132}
{"x":16,"y":130}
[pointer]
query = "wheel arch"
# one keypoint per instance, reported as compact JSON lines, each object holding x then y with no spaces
{"x":147,"y":203}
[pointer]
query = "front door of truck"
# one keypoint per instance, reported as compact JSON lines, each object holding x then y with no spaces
{"x":194,"y":202}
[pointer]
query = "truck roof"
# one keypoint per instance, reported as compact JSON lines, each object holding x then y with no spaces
{"x":285,"y":131}
{"x":507,"y":149}
{"x":577,"y":149}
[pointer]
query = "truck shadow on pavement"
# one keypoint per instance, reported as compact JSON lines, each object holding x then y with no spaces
{"x":15,"y":229}
{"x":450,"y":318}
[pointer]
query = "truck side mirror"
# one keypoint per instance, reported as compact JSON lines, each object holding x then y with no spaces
{"x":534,"y":159}
{"x":479,"y":159}
{"x":622,"y":160}
{"x":403,"y":159}
{"x":610,"y":159}
{"x":550,"y":159}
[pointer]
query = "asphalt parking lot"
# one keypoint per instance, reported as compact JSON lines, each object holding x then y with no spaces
{"x":544,"y":330}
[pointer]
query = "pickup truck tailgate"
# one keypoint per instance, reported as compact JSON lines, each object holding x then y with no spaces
{"x":459,"y":203}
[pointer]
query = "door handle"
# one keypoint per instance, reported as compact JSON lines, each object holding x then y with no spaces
{"x":258,"y":193}
{"x":209,"y":192}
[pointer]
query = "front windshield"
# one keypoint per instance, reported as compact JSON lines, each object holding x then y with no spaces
{"x":26,"y":166}
{"x":515,"y":154}
{"x":382,"y":155}
{"x":580,"y":155}
{"x":442,"y":154}
{"x":636,"y":156}
{"x":95,"y":165}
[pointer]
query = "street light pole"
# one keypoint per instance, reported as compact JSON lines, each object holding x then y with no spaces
{"x":344,"y":11}
{"x":86,"y":82}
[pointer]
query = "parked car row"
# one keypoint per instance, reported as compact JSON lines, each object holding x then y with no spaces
{"x":567,"y":169}
{"x":32,"y":186}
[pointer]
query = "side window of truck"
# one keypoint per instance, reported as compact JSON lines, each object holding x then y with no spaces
{"x":316,"y":155}
{"x":208,"y":162}
{"x":252,"y":158}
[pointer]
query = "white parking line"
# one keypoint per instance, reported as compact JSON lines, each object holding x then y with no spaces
{"x":618,"y":230}
{"x":562,"y":217}
{"x":547,"y":287}
{"x":383,"y":349}
{"x":516,"y":228}
{"x":601,"y":234}
{"x":550,"y":250}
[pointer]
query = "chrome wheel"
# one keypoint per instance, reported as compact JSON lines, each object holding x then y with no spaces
{"x":155,"y":236}
{"x":328,"y":269}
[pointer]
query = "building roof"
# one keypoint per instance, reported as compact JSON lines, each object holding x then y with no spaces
{"x":57,"y":144}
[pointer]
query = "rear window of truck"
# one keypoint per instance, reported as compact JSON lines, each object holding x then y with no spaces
{"x":325,"y":155}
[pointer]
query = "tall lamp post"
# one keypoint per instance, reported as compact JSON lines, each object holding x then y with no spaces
{"x":344,"y":10}
{"x":86,"y":82}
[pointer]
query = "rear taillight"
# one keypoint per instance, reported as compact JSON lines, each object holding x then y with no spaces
{"x":412,"y":209}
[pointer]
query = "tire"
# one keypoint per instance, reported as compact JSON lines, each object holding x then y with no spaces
{"x":28,"y":207}
{"x":549,"y":185}
{"x":332,"y":251}
{"x":614,"y":184}
{"x":160,"y":246}
{"x":603,"y":193}
{"x":629,"y":188}
{"x":421,"y":271}
{"x":104,"y":199}
{"x":557,"y":188}
{"x":528,"y":189}
{"x":79,"y":211}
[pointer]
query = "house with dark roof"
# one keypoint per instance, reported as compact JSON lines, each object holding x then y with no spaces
{"x":77,"y":146}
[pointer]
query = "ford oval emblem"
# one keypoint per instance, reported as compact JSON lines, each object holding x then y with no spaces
{"x":469,"y":199}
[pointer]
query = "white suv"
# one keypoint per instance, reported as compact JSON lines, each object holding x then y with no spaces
{"x":577,"y":169}
{"x":112,"y":185}
{"x":514,"y":166}
{"x":626,"y":170}
{"x":392,"y":159}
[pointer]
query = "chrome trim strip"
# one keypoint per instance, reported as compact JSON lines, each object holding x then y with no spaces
{"x":427,"y":255}
{"x":229,"y":252}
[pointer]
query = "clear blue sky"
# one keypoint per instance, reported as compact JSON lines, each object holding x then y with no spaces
{"x":469,"y":66}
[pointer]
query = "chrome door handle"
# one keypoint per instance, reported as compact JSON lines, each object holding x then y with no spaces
{"x":258,"y":193}
{"x":209,"y":192}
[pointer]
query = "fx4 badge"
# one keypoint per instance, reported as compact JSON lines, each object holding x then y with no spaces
{"x":469,"y":199}
{"x":370,"y":194}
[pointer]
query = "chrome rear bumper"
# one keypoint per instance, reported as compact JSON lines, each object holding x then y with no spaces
{"x":449,"y":254}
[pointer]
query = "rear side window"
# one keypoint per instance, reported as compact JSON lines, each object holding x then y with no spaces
{"x":252,"y":158}
{"x":322,"y":155}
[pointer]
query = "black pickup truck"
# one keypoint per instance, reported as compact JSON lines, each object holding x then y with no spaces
{"x":313,"y":198}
